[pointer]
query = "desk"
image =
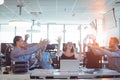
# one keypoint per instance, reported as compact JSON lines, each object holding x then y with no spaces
{"x":14,"y":76}
{"x":84,"y":74}
{"x":83,"y":79}
{"x":104,"y":64}
{"x":56,"y":74}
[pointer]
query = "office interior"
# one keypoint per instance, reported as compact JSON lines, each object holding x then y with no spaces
{"x":72,"y":21}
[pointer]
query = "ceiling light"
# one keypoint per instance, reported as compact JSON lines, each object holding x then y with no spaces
{"x":18,"y":23}
{"x":1,"y":2}
{"x":33,"y":31}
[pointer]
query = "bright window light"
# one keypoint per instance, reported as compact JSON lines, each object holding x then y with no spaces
{"x":1,"y":2}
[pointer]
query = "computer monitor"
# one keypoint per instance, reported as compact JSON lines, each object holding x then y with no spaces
{"x":69,"y":65}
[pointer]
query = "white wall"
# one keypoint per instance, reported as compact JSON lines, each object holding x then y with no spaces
{"x":115,"y":31}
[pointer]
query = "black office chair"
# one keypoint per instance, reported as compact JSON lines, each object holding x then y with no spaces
{"x":7,"y":54}
{"x":6,"y":49}
{"x":93,"y":61}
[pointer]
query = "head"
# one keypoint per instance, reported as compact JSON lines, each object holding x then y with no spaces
{"x":18,"y":41}
{"x":113,"y":42}
{"x":69,"y":46}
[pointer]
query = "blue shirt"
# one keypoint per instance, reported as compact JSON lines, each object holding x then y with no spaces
{"x":21,"y":54}
{"x":45,"y":58}
{"x":113,"y":58}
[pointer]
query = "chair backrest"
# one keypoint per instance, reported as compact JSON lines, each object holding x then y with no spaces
{"x":93,"y":61}
{"x":6,"y":49}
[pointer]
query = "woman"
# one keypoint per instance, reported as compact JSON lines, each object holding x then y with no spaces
{"x":68,"y":50}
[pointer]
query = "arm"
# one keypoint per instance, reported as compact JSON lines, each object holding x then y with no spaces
{"x":80,"y":54}
{"x":101,"y":51}
{"x":59,"y":42}
{"x":96,"y":50}
{"x":79,"y":45}
{"x":38,"y":56}
{"x":31,"y":45}
{"x":110,"y":54}
{"x":50,"y":59}
{"x":31,"y":50}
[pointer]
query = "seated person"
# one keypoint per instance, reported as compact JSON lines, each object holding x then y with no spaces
{"x":44,"y":59}
{"x":113,"y":53}
{"x":91,"y":57}
{"x":68,"y":50}
{"x":20,"y":53}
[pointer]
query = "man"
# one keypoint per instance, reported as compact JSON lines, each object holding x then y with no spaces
{"x":113,"y":53}
{"x":20,"y":53}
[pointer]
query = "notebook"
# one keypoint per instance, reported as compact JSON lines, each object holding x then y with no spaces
{"x":69,"y":65}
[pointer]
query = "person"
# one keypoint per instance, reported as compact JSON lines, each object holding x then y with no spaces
{"x":113,"y":53}
{"x":44,"y":58}
{"x":91,"y":57}
{"x":19,"y":53}
{"x":68,"y":50}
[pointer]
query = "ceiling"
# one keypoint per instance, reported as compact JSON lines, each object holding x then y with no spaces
{"x":53,"y":11}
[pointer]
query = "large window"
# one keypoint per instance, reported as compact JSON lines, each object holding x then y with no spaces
{"x":67,"y":32}
{"x":72,"y":33}
{"x":54,"y":32}
{"x":6,"y":34}
{"x":39,"y":33}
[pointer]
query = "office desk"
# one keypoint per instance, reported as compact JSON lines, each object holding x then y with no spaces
{"x":56,"y":74}
{"x":14,"y":76}
{"x":84,"y":74}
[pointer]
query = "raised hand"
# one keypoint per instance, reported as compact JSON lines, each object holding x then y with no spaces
{"x":79,"y":44}
{"x":26,"y":37}
{"x":43,"y":42}
{"x":59,"y":40}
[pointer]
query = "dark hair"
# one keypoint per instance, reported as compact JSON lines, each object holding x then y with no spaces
{"x":65,"y":48}
{"x":16,"y":38}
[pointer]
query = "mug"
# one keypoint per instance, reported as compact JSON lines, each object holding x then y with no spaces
{"x":8,"y":69}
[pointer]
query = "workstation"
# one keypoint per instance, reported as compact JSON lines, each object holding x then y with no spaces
{"x":59,"y":39}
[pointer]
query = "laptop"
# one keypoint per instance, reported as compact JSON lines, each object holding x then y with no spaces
{"x":69,"y":65}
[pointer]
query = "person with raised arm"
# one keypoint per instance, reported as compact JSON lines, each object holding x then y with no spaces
{"x":113,"y":53}
{"x":19,"y":53}
{"x":44,"y":58}
{"x":68,"y":50}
